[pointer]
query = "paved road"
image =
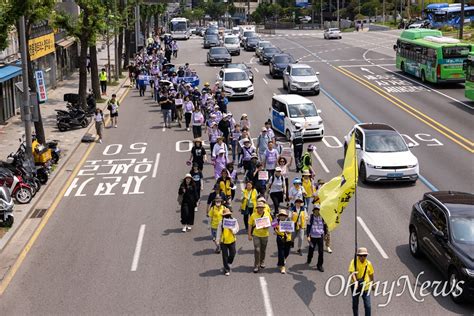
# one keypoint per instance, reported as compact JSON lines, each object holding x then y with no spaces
{"x":82,"y":262}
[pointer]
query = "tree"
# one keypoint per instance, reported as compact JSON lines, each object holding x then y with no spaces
{"x":86,"y":29}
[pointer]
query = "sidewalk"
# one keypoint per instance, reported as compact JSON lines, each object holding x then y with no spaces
{"x":68,"y":141}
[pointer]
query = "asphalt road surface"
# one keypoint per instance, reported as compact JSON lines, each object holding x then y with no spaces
{"x":115,"y":246}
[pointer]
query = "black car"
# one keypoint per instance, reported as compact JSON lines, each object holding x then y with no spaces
{"x":268,"y":53}
{"x":211,"y":31}
{"x":442,"y":228}
{"x":211,"y":41}
{"x":242,"y":66}
{"x":251,"y":43}
{"x":218,"y":55}
{"x":278,"y":63}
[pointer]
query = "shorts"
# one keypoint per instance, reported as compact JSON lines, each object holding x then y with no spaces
{"x":114,"y":114}
{"x":213,"y":233}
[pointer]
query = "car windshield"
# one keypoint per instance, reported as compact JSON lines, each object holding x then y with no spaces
{"x":333,"y":30}
{"x":231,"y":40}
{"x":264,"y":44}
{"x":302,"y":110}
{"x":302,"y":72}
{"x":462,"y":228}
{"x":253,"y":40}
{"x":212,"y":31}
{"x":271,"y":50}
{"x":238,"y":66}
{"x":235,"y":76}
{"x":384,"y":142}
{"x":283,"y":59}
{"x":212,"y":37}
{"x":219,"y":50}
{"x":250,"y":34}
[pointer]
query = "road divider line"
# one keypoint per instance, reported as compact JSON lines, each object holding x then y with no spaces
{"x":321,"y":161}
{"x":266,"y":82}
{"x":138,"y":248}
{"x":266,"y":297}
{"x":372,"y":238}
{"x":400,"y":105}
{"x":256,"y":69}
{"x":155,"y":167}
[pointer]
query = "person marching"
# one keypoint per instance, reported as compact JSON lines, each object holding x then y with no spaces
{"x":307,"y":160}
{"x":262,"y":144}
{"x":259,"y":236}
{"x":362,"y":277}
{"x":249,"y":202}
{"x":315,"y":233}
{"x":247,"y":151}
{"x":226,"y":184}
{"x":271,"y":158}
{"x":188,"y":107}
{"x":103,"y":81}
{"x":298,"y":215}
{"x":277,"y":189}
{"x":187,"y":193}
{"x":113,"y":105}
{"x":215,"y":217}
{"x":225,"y":239}
{"x":283,"y":164}
{"x":198,"y":154}
{"x":198,"y":180}
{"x":296,"y":191}
{"x":283,"y":241}
{"x":197,"y":120}
{"x":327,"y":236}
{"x":297,"y":142}
{"x":220,"y":162}
{"x":309,"y":189}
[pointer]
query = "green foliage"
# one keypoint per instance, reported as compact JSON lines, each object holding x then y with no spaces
{"x":266,"y":11}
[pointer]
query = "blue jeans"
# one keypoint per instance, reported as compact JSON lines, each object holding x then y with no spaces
{"x":355,"y":303}
{"x":167,"y":117}
{"x":307,"y":203}
{"x":234,"y":144}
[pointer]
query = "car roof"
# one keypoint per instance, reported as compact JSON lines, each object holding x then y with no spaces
{"x":375,"y":126}
{"x":452,"y":197}
{"x":291,"y":98}
{"x":261,"y":42}
{"x":228,"y":70}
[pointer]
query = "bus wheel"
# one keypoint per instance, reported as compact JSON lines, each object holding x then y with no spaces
{"x":423,"y":77}
{"x":402,"y":66}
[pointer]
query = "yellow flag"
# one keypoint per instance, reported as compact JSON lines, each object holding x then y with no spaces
{"x":336,"y":193}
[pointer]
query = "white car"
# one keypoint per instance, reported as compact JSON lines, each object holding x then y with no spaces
{"x":305,"y":19}
{"x":235,"y":83}
{"x":232,"y":43}
{"x":300,"y":78}
{"x":383,"y":154}
{"x":332,"y":33}
{"x":260,"y":46}
{"x":289,"y":109}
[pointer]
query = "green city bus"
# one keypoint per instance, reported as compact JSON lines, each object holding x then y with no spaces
{"x":469,"y":70}
{"x":428,"y":55}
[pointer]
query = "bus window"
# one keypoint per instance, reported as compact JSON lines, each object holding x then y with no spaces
{"x":456,"y":52}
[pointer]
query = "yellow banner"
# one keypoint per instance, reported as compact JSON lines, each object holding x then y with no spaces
{"x":41,"y":46}
{"x":335,"y":194}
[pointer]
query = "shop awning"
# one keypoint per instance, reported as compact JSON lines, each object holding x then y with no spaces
{"x":66,"y":42}
{"x":8,"y":72}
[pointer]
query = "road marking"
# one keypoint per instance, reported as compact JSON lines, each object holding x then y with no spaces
{"x":266,"y":296}
{"x":412,"y":111}
{"x":321,"y":161}
{"x":155,"y":167}
{"x":372,"y":238}
{"x":16,"y":266}
{"x":256,"y":69}
{"x":138,"y":248}
{"x":266,"y":82}
{"x":367,"y":70}
{"x":357,"y":66}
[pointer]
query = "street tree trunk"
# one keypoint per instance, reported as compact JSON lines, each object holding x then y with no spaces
{"x":94,"y":72}
{"x":83,"y":71}
{"x":126,"y":59}
{"x":120,"y":49}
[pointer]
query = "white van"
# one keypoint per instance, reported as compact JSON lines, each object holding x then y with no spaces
{"x":232,"y":43}
{"x":289,"y":109}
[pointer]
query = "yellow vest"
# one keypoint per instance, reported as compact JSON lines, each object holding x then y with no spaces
{"x":102,"y":76}
{"x":227,"y":236}
{"x":301,"y":221}
{"x":263,"y":232}
{"x":253,"y":198}
{"x":215,"y":214}
{"x":308,"y":187}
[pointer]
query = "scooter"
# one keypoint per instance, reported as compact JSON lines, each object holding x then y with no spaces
{"x":19,"y":189}
{"x":6,"y":207}
{"x":55,"y":150}
{"x":72,"y":119}
{"x":28,"y":176}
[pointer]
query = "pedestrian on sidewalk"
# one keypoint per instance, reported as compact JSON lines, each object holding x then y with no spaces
{"x":298,"y":215}
{"x":88,"y":65}
{"x":249,"y":202}
{"x":215,"y":217}
{"x":187,"y":194}
{"x":103,"y":81}
{"x":259,"y":235}
{"x":362,"y":277}
{"x":226,"y":238}
{"x":315,"y":233}
{"x":283,"y":241}
{"x":99,"y":123}
{"x":113,"y":105}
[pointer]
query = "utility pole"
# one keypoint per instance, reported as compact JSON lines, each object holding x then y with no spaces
{"x":383,"y":12}
{"x":137,"y":26}
{"x":117,"y":66}
{"x":322,"y":19}
{"x":461,"y":22}
{"x":107,"y":38}
{"x":26,"y":92}
{"x":338,"y":17}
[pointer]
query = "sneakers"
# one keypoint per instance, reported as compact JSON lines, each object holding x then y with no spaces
{"x":189,"y":227}
{"x":100,"y":141}
{"x":329,"y":250}
{"x":299,"y":252}
{"x":283,"y":270}
{"x":262,"y":266}
{"x":320,"y":268}
{"x":184,"y":229}
{"x":115,"y":125}
{"x":227,"y":273}
{"x":187,"y":129}
{"x":195,"y":209}
{"x":255,"y":270}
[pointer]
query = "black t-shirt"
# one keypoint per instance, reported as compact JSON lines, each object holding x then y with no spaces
{"x":166,"y":103}
{"x":198,"y":154}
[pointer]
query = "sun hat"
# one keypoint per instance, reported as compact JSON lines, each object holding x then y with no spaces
{"x":264,"y":129}
{"x":277,"y":169}
{"x":362,"y":251}
{"x":306,"y":173}
{"x":244,"y":114}
{"x":217,"y":198}
{"x":188,"y":176}
{"x":246,"y":140}
{"x":198,"y":140}
{"x":297,"y":181}
{"x":261,"y":199}
{"x":283,"y":212}
{"x":260,"y":204}
{"x":226,"y":212}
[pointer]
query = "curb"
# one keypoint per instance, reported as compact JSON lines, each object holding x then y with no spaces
{"x":39,"y":196}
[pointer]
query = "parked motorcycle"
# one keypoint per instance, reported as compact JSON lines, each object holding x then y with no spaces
{"x":71,"y":119}
{"x":18,"y":188}
{"x":53,"y":145}
{"x":25,"y":172}
{"x":6,"y":207}
{"x":72,"y":100}
{"x":40,"y":171}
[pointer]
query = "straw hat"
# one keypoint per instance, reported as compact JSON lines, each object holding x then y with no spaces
{"x":260,"y":204}
{"x":362,"y":251}
{"x":188,"y":176}
{"x":261,"y":199}
{"x":283,"y":212}
{"x":198,"y":140}
{"x":306,"y":173}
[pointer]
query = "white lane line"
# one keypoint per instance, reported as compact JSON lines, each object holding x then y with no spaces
{"x":321,"y":161}
{"x":256,"y":69}
{"x":138,"y":248}
{"x":371,"y":236}
{"x":357,"y":66}
{"x":266,"y":296}
{"x":266,"y":82}
{"x":155,"y":167}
